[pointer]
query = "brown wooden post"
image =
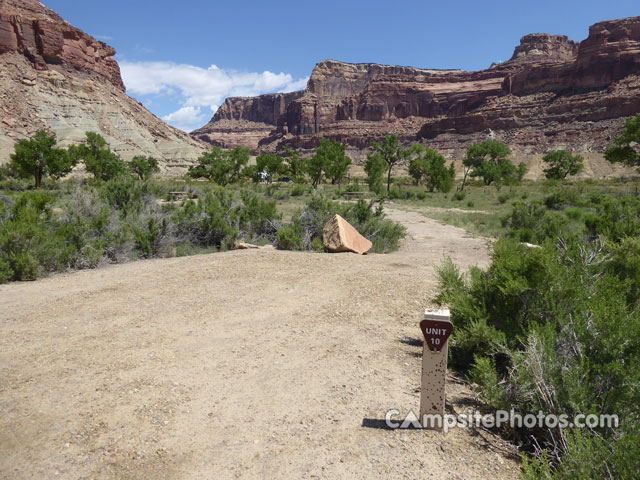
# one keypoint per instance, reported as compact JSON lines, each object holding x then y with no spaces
{"x":436,"y":328}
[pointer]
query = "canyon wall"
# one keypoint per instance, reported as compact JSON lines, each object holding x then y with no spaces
{"x":57,"y":78}
{"x":553,"y":93}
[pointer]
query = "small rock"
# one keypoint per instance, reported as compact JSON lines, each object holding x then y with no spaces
{"x":245,"y":246}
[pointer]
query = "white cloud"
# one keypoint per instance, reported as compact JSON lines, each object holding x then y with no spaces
{"x":187,"y":118}
{"x":197,"y":87}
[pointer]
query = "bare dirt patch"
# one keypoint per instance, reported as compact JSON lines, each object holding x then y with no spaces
{"x":245,"y":364}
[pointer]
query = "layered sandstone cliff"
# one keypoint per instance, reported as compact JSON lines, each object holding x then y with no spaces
{"x":245,"y":121}
{"x":552,"y":93}
{"x":56,"y":77}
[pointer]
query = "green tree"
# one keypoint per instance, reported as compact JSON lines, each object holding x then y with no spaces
{"x":374,"y":168}
{"x":239,"y":157}
{"x":521,"y":171}
{"x":315,"y":167}
{"x":626,"y":147}
{"x":390,"y":152}
{"x":561,"y":164}
{"x":336,"y":163}
{"x":489,"y":160}
{"x":143,"y":167}
{"x":418,"y":164}
{"x":429,"y":166}
{"x":215,"y":165}
{"x":38,"y":157}
{"x":98,"y":158}
{"x":271,"y":164}
{"x":295,"y":163}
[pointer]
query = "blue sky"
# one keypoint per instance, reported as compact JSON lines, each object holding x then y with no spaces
{"x":182,"y":59}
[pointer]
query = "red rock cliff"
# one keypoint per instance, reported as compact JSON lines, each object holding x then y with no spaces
{"x":28,"y":27}
{"x":57,"y":78}
{"x":609,"y":54}
{"x":551,"y":85}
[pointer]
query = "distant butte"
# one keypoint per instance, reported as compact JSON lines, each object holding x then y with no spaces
{"x":553,"y":93}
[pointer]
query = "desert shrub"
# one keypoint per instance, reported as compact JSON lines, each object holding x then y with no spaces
{"x":307,"y":225}
{"x":532,"y":222}
{"x":94,"y":229}
{"x":615,"y":218}
{"x":6,"y":272}
{"x":212,"y":221}
{"x":291,"y":237}
{"x":459,"y":195}
{"x":149,"y":240}
{"x":573,"y":214}
{"x":554,"y":329}
{"x":563,"y":198}
{"x":258,"y":218}
{"x":401,"y":194}
{"x":124,"y":194}
{"x":317,"y":245}
{"x":30,"y":243}
{"x":299,"y":189}
{"x":421,"y":195}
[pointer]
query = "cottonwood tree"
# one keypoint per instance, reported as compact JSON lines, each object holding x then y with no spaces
{"x":429,"y":166}
{"x":390,"y":152}
{"x":374,"y":168}
{"x":38,"y":157}
{"x":98,"y":157}
{"x":271,"y":164}
{"x":214,"y":165}
{"x":489,"y":160}
{"x":333,"y":158}
{"x":561,"y":164}
{"x":315,"y":167}
{"x":143,"y":167}
{"x":221,"y":166}
{"x":239,"y":158}
{"x":295,"y":163}
{"x":626,"y":147}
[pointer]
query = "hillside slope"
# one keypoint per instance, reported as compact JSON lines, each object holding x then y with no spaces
{"x":56,"y":77}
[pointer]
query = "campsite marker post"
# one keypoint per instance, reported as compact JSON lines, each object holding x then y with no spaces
{"x":436,"y":328}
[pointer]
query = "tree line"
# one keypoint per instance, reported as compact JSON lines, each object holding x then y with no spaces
{"x":488,"y":161}
{"x":39,"y":156}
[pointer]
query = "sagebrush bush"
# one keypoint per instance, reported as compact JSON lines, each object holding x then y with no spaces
{"x":556,"y":329}
{"x":459,"y":195}
{"x":532,"y":222}
{"x":212,"y":221}
{"x":615,"y":218}
{"x":307,"y":225}
{"x":258,"y":218}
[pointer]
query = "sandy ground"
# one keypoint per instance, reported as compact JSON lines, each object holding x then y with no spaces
{"x":245,"y":364}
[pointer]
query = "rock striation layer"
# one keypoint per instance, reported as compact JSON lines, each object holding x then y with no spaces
{"x":553,"y":93}
{"x":56,"y":77}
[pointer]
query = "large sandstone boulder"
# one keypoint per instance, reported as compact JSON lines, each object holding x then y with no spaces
{"x":339,"y":236}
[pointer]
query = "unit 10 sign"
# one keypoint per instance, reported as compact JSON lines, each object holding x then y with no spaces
{"x":436,"y":333}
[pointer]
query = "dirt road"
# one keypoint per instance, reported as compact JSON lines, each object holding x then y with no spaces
{"x":245,"y":364}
